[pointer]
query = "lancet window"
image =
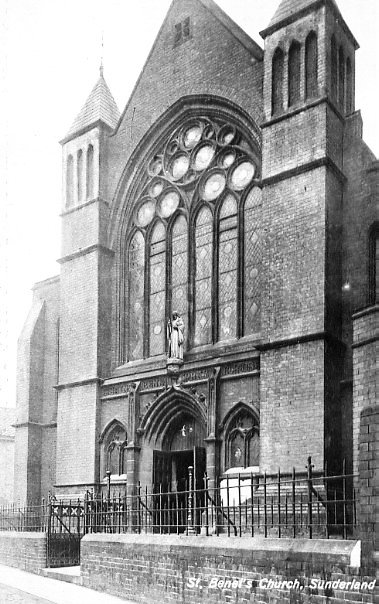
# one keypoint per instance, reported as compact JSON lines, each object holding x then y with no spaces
{"x":196,"y":210}
{"x":242,"y":442}
{"x":114,"y":450}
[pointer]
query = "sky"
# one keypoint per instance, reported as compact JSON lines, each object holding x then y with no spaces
{"x":49,"y":61}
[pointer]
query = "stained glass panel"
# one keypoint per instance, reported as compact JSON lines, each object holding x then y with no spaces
{"x":136,"y":296}
{"x":227,"y":270}
{"x":252,"y":268}
{"x":203,"y":278}
{"x":157,"y":292}
{"x":179,"y":269}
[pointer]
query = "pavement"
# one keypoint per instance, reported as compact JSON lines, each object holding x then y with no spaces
{"x":20,"y":587}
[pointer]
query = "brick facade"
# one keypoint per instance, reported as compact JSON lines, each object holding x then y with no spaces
{"x":292,"y":379}
{"x":26,"y":551}
{"x":171,"y":569}
{"x":368,"y":486}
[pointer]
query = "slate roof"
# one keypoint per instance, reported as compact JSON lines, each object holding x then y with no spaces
{"x":100,"y":106}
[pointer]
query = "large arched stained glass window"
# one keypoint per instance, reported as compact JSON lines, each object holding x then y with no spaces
{"x":252,"y":268}
{"x":179,"y":269}
{"x":227,"y":269}
{"x":188,"y":211}
{"x":203,"y":277}
{"x":136,"y":296}
{"x":157,"y":293}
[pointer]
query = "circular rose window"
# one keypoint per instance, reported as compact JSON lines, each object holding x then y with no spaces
{"x":168,"y":204}
{"x":242,"y":175}
{"x":145,"y":213}
{"x":179,"y":166}
{"x":203,"y":156}
{"x":214,"y":186}
{"x":192,"y":136}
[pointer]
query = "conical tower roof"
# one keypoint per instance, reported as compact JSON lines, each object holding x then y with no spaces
{"x":100,"y":106}
{"x":287,"y":9}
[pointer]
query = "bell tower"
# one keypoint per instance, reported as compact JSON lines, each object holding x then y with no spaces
{"x":308,"y":92}
{"x":86,"y":262}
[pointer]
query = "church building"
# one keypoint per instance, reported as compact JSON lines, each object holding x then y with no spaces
{"x":215,"y":304}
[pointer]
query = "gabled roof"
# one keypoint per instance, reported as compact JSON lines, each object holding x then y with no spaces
{"x":235,"y":29}
{"x":100,"y":106}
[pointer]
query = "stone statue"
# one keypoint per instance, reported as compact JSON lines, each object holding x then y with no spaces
{"x":175,"y":336}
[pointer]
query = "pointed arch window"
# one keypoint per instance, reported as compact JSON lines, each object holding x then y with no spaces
{"x":341,"y":79}
{"x":203,"y":277}
{"x":179,"y":268}
{"x":157,"y":290}
{"x":69,"y":180}
{"x":227,"y":269}
{"x":80,"y":174}
{"x":294,"y":74}
{"x":186,"y":251}
{"x":114,"y":445}
{"x":252,"y":266}
{"x":90,"y":174}
{"x":311,"y":66}
{"x":136,"y":279}
{"x":242,"y":442}
{"x":374,"y":264}
{"x":277,"y":81}
{"x":334,"y":68}
{"x":349,"y":87}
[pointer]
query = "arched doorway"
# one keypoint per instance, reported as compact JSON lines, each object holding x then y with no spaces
{"x":182,"y":447}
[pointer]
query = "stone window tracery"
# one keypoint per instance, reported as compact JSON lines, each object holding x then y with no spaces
{"x":188,"y":215}
{"x":114,"y":446}
{"x":242,"y":442}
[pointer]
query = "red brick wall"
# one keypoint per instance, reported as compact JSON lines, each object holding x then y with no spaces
{"x":365,"y":385}
{"x":157,"y":568}
{"x":368,"y":486}
{"x":26,"y":551}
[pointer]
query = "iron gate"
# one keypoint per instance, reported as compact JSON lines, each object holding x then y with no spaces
{"x":64,"y":532}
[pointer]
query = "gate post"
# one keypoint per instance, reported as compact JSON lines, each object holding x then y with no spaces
{"x":190,"y":527}
{"x":48,"y":535}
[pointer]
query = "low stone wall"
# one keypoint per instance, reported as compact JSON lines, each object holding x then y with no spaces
{"x":193,"y":570}
{"x":23,"y":550}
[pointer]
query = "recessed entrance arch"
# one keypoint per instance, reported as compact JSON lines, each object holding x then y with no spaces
{"x":175,"y":426}
{"x":182,"y":446}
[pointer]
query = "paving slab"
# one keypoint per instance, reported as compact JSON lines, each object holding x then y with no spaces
{"x":52,"y":590}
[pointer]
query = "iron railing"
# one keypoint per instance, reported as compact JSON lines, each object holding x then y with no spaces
{"x":292,"y":504}
{"x":282,"y":505}
{"x":24,"y":518}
